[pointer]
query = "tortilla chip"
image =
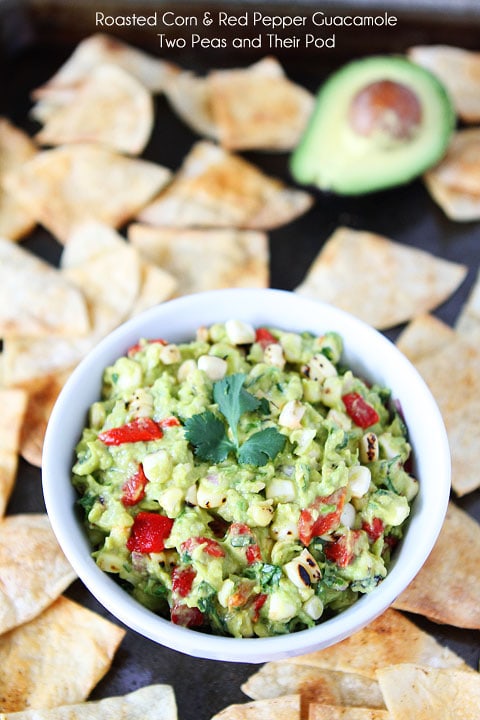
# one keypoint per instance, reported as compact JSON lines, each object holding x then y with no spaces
{"x":446,"y":590}
{"x":111,"y":108}
{"x":313,"y":684}
{"x":56,"y":658}
{"x":15,"y":149}
{"x":454,"y":183}
{"x":35,"y":298}
{"x":205,"y":259}
{"x":258,"y":107}
{"x":453,"y":375}
{"x":458,"y":70}
{"x":468,"y":322}
{"x":423,"y":693}
{"x":153,"y":702}
{"x":388,"y":640}
{"x":13,"y":404}
{"x":333,"y":712}
{"x":39,"y":407}
{"x":214,"y":188}
{"x":283,"y":708}
{"x":156,"y":286}
{"x":33,"y":569}
{"x":380,"y":281}
{"x":69,"y":185}
{"x":189,"y":96}
{"x":424,"y":335}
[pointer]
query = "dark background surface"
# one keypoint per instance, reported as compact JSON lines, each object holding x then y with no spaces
{"x":35,"y":38}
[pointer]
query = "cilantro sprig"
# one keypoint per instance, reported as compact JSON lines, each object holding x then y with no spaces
{"x":208,"y":433}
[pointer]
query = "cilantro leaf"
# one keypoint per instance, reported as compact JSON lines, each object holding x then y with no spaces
{"x":207,"y":434}
{"x":233,"y":400}
{"x":261,"y":447}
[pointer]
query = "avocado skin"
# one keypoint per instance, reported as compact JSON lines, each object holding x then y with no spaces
{"x":324,"y":156}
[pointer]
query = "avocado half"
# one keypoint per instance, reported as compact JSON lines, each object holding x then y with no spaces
{"x":378,"y":122}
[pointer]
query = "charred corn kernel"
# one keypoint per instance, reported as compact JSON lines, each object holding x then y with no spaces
{"x":359,"y":478}
{"x":141,"y":404}
{"x":273,"y":355}
{"x":191,"y":495}
{"x":210,"y":495}
{"x":225,"y":592}
{"x":284,"y":530}
{"x":369,"y":451}
{"x":214,"y":367}
{"x":282,"y":608}
{"x":347,"y":518}
{"x":202,"y":334}
{"x":239,"y":332}
{"x":337,"y":417}
{"x":158,"y":466}
{"x":187,"y":367}
{"x":281,"y":490}
{"x":320,"y":367}
{"x":292,"y":414}
{"x":170,"y":354}
{"x":303,"y":570}
{"x":261,"y":514}
{"x":313,"y":607}
{"x":172,"y":501}
{"x":109,"y":562}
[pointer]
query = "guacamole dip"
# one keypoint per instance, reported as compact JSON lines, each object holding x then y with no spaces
{"x":246,"y":483}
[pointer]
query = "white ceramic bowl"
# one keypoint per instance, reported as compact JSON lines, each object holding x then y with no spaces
{"x":366,"y":350}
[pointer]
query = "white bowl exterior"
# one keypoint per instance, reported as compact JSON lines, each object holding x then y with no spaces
{"x":366,"y":350}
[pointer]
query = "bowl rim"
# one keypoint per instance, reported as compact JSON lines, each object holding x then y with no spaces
{"x":130,"y":612}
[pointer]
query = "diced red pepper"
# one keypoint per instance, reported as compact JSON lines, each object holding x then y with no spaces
{"x":169,"y":422}
{"x":133,"y":489}
{"x":342,"y":551}
{"x":257,"y":605}
{"x":264,"y":337}
{"x":252,"y":549}
{"x":141,"y":429}
{"x":359,"y":410}
{"x":253,"y":554}
{"x":237,"y":528}
{"x":135,"y":348}
{"x":182,"y":580}
{"x":211,"y":547}
{"x":374,"y":529}
{"x":181,"y":614}
{"x":312,"y":524}
{"x":149,"y":532}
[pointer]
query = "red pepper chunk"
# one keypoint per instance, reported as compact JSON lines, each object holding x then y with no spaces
{"x":359,"y":410}
{"x":374,"y":529}
{"x":342,"y":551}
{"x":310,"y":526}
{"x":264,"y":337}
{"x":181,"y":614}
{"x":182,"y":580}
{"x":133,"y":489}
{"x":141,"y":429}
{"x":137,"y":347}
{"x":169,"y":422}
{"x":257,"y":605}
{"x":253,"y":554}
{"x":149,"y":532}
{"x":211,"y":547}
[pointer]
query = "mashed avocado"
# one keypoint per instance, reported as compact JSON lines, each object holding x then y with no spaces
{"x":246,"y":483}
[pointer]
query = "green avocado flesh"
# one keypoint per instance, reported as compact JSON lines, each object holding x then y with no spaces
{"x":334,"y":156}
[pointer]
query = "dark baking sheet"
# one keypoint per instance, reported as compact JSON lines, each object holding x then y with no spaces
{"x":35,"y":38}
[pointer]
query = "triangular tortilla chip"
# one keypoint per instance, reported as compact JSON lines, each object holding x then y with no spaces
{"x":189,"y":96}
{"x":313,"y":684}
{"x":284,"y":708}
{"x":413,"y":692}
{"x":69,"y":185}
{"x":333,"y":712}
{"x":424,"y":335}
{"x":92,"y":52}
{"x":39,"y":407}
{"x":153,"y":702}
{"x":156,"y":286}
{"x":33,"y":569}
{"x":454,"y":183}
{"x":15,"y":148}
{"x":459,"y":70}
{"x":258,"y":107}
{"x":468,"y":322}
{"x":214,"y":188}
{"x":111,"y":108}
{"x":453,"y":375}
{"x":205,"y":259}
{"x":57,"y":658}
{"x":380,"y":281}
{"x":446,"y":590}
{"x":13,"y":404}
{"x":35,"y":298}
{"x":389,"y":639}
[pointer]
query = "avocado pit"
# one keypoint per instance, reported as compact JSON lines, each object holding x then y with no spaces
{"x":385,"y":106}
